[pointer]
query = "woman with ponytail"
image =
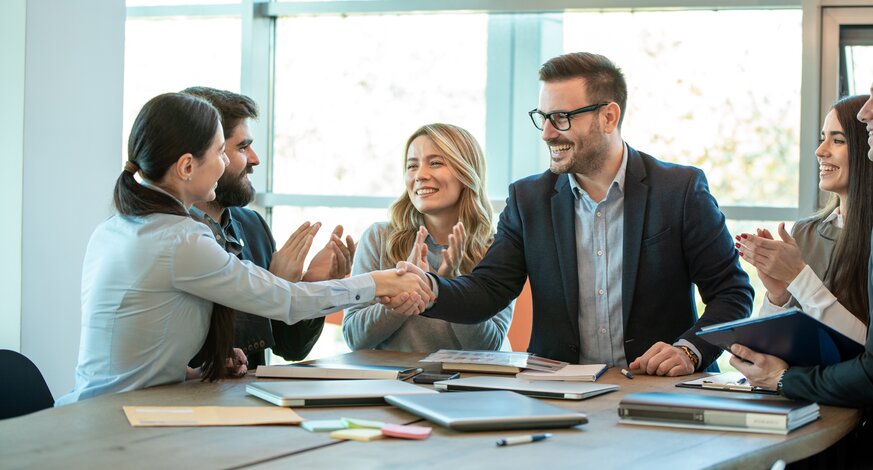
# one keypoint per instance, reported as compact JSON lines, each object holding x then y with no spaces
{"x":156,"y":285}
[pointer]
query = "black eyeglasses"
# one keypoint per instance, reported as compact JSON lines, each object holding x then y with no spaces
{"x":560,"y":119}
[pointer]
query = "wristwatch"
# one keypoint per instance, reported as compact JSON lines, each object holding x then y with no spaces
{"x":779,"y":383}
{"x":693,"y":357}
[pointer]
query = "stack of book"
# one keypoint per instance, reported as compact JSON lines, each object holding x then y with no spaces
{"x":765,"y":415}
{"x":498,"y":362}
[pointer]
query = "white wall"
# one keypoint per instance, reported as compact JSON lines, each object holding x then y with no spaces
{"x":74,"y":70}
{"x":12,"y":21}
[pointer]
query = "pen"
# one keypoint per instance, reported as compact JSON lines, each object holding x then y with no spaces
{"x":627,"y":373}
{"x":511,"y":441}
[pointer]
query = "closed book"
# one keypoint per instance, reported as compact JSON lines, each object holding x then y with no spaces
{"x":766,"y":415}
{"x":501,"y":362}
{"x":569,"y":373}
{"x":793,"y":336}
{"x":335,"y":371}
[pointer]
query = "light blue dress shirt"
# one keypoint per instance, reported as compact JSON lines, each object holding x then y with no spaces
{"x":148,"y":284}
{"x":599,"y":245}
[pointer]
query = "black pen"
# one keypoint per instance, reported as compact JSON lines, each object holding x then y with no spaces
{"x":511,"y":441}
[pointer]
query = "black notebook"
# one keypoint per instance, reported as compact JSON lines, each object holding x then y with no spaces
{"x":752,"y":414}
{"x":793,"y":336}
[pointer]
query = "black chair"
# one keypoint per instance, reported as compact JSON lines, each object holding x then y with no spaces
{"x":24,"y":389}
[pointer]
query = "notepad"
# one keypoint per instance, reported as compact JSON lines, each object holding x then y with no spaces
{"x":725,"y":382}
{"x":361,"y":434}
{"x":144,"y":416}
{"x":406,"y":432}
{"x":569,"y":373}
{"x":323,"y":425}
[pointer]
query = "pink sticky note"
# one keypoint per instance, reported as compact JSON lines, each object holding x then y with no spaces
{"x":406,"y":432}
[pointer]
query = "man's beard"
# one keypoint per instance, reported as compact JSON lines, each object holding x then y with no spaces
{"x":590,"y":156}
{"x":235,"y":190}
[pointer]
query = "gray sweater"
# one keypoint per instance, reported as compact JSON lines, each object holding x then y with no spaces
{"x":377,"y":327}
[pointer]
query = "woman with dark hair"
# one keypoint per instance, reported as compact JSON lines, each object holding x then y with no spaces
{"x":822,"y":266}
{"x":151,"y":273}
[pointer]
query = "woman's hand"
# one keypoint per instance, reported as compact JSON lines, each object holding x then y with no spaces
{"x":780,"y":260}
{"x":777,"y":291}
{"x":762,"y":370}
{"x":287,"y":263}
{"x":237,"y":363}
{"x":334,"y":261}
{"x":452,"y":256}
{"x":418,"y":255}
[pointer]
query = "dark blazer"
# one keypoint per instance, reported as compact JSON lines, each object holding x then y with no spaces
{"x":848,"y":383}
{"x":251,"y":332}
{"x":674,"y":237}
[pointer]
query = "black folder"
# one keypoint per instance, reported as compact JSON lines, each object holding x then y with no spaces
{"x":793,"y":336}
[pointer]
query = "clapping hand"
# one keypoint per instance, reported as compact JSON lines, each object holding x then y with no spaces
{"x":287,"y":263}
{"x":334,"y":261}
{"x":452,"y":256}
{"x":778,"y":261}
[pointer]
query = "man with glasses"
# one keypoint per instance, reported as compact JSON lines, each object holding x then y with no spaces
{"x":612,"y":240}
{"x":246,"y":234}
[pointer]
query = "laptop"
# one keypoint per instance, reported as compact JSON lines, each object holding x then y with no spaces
{"x":533,"y":388}
{"x":487,"y":411}
{"x":303,"y":393}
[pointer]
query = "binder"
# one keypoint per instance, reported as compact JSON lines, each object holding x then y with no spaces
{"x":793,"y":336}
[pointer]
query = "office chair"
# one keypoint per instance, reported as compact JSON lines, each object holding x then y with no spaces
{"x":24,"y":389}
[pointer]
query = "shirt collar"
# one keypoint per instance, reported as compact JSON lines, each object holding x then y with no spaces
{"x":617,"y":182}
{"x":154,"y":187}
{"x":835,"y":218}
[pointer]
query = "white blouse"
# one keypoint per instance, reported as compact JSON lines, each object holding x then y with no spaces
{"x":148,"y":285}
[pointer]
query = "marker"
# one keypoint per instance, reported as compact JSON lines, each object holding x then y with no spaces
{"x":627,"y":373}
{"x":511,"y":441}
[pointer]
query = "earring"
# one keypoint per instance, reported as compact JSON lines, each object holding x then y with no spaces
{"x":189,"y":179}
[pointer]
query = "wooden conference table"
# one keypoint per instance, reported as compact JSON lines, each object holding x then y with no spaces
{"x":95,"y":434}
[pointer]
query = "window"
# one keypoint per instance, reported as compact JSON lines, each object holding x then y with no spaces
{"x":344,"y":109}
{"x":697,"y":98}
{"x":170,"y":54}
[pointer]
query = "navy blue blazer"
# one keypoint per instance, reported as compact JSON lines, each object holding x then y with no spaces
{"x":674,"y":237}
{"x":252,"y":333}
{"x":849,"y":383}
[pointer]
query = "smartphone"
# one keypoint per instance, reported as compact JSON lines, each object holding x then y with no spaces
{"x":430,"y":377}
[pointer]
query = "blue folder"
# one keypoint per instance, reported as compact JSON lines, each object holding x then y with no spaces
{"x":793,"y":336}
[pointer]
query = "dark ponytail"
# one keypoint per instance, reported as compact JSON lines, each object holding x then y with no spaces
{"x":167,"y":127}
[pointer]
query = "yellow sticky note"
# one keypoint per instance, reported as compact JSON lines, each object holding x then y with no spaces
{"x":357,"y":434}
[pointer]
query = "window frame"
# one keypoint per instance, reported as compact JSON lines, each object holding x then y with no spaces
{"x":517,"y":44}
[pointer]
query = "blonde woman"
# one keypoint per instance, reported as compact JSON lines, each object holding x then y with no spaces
{"x":445,"y":211}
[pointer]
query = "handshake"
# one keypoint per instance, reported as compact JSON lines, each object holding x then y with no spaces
{"x":412,"y":299}
{"x":405,"y":290}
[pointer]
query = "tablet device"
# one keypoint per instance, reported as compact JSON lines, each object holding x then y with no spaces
{"x":793,"y":336}
{"x":486,"y":411}
{"x":332,"y":392}
{"x":533,"y":388}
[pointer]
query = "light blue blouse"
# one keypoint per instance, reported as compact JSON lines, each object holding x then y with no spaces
{"x":148,"y":285}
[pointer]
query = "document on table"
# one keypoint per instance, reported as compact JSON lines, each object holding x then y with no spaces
{"x":143,"y":416}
